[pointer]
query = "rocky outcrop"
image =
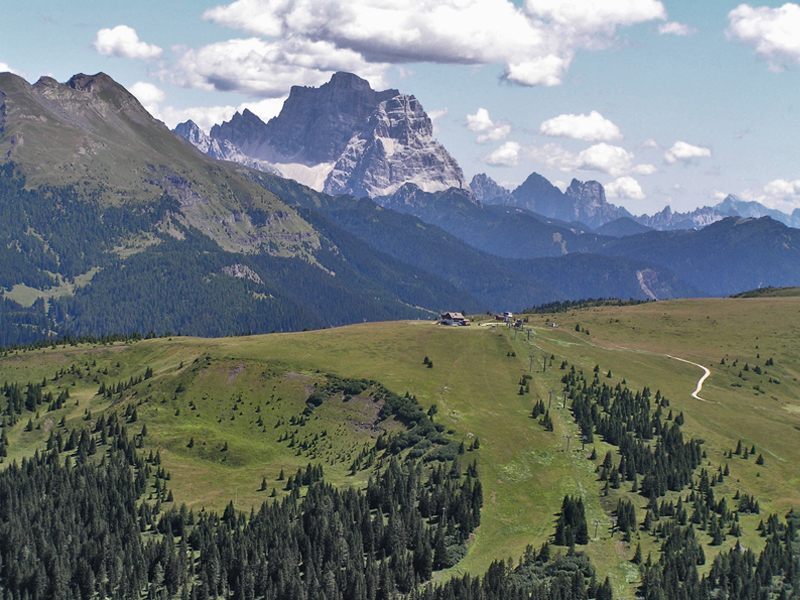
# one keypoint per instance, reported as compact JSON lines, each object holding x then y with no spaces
{"x":395,"y":147}
{"x":538,"y":195}
{"x":584,"y":202}
{"x":589,"y":205}
{"x":345,"y":137}
{"x":488,"y":191}
{"x":731,"y":206}
{"x":219,"y":149}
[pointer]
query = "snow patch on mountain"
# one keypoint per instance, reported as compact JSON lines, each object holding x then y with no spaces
{"x":343,"y":138}
{"x":314,"y":176}
{"x":395,"y":147}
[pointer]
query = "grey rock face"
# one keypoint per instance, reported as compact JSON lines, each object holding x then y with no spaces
{"x":395,"y":147}
{"x":537,"y":194}
{"x":583,"y":202}
{"x":219,"y":149}
{"x":314,"y":126}
{"x":365,"y":142}
{"x":191,"y":132}
{"x":731,"y":206}
{"x":487,"y":190}
{"x":589,"y":205}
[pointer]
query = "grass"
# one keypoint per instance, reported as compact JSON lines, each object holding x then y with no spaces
{"x":26,"y":296}
{"x":526,"y":471}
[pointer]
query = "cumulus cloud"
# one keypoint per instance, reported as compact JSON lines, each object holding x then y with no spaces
{"x":718,"y":195}
{"x":148,"y":94}
{"x":535,"y":44}
{"x":5,"y":68}
{"x":506,"y":155}
{"x":269,"y":69}
{"x":675,"y":28}
{"x":783,"y":188}
{"x":625,"y":187}
{"x":435,"y":115}
{"x":685,"y":152}
{"x":489,"y":130}
{"x":604,"y":158}
{"x":781,"y":194}
{"x":208,"y":116}
{"x":589,"y":128}
{"x":772,"y":31}
{"x":644,"y":169}
{"x":122,"y":41}
{"x":590,"y":15}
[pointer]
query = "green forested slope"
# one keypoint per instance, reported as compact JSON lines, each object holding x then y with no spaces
{"x":669,"y":485}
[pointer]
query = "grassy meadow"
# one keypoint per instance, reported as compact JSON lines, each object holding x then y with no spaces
{"x":221,"y":412}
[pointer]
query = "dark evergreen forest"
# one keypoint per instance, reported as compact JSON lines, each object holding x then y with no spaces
{"x":49,"y":236}
{"x":655,"y":459}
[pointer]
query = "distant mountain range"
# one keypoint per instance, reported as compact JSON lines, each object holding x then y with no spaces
{"x":341,"y":138}
{"x":346,"y":138}
{"x":112,"y":223}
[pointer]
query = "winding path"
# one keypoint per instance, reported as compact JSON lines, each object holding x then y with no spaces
{"x":700,"y":381}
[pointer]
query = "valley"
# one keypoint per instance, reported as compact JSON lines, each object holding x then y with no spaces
{"x":220,"y":411}
{"x":236,"y":381}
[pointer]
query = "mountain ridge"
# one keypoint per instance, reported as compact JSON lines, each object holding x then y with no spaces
{"x":345,"y":137}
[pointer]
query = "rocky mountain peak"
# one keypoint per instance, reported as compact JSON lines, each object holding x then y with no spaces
{"x":93,"y":83}
{"x":220,"y":149}
{"x":395,"y":147}
{"x":537,"y":194}
{"x":589,"y":204}
{"x":488,"y":191}
{"x":345,"y":137}
{"x":583,"y":201}
{"x":589,"y":193}
{"x":191,"y":132}
{"x":244,"y":130}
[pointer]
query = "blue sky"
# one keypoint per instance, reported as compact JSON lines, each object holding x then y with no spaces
{"x":664,"y":102}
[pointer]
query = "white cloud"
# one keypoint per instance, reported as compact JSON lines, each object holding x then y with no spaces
{"x":535,"y":44}
{"x":122,"y":41}
{"x":644,"y":169}
{"x":589,"y":128}
{"x":480,"y":121}
{"x":148,"y":94}
{"x":675,"y":28}
{"x":780,"y":194}
{"x":718,"y":195}
{"x":205,"y":116}
{"x":5,"y":68}
{"x":435,"y":115}
{"x":685,"y":152}
{"x":208,"y":116}
{"x":506,"y":155}
{"x":269,"y":69}
{"x":625,"y":187}
{"x":544,"y":70}
{"x":493,"y":131}
{"x":783,"y":188}
{"x":774,"y":32}
{"x":604,"y":158}
{"x":590,"y":15}
{"x":650,"y":143}
{"x":438,"y":113}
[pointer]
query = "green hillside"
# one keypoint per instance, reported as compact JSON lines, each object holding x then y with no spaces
{"x":225,"y":414}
